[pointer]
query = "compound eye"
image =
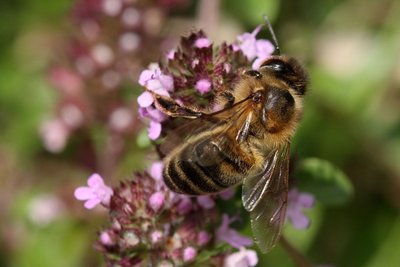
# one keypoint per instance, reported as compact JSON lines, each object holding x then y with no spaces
{"x":253,"y":73}
{"x":277,"y":65}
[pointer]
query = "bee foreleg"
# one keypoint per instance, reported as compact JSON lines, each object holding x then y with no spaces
{"x":173,"y":109}
{"x":228,"y":98}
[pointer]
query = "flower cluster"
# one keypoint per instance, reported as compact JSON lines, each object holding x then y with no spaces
{"x":192,"y":75}
{"x":151,"y":226}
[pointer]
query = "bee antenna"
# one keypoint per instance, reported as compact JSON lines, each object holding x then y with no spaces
{"x":271,"y":31}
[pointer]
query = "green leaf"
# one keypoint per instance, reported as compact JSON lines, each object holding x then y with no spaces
{"x":326,"y":182}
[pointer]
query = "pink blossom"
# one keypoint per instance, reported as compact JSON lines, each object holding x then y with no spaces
{"x":95,"y":193}
{"x":203,"y":86}
{"x":231,"y":236}
{"x":106,"y":239}
{"x":242,"y":258}
{"x":202,"y":42}
{"x":296,"y":202}
{"x":189,"y":254}
{"x":253,"y":48}
{"x":154,"y":80}
{"x":206,"y":202}
{"x":157,"y":200}
{"x":154,"y":130}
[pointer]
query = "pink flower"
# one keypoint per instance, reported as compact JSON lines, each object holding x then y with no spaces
{"x":189,"y":254}
{"x":231,"y":236}
{"x":157,"y":200}
{"x":202,"y":42}
{"x":155,"y":80}
{"x":203,"y":86}
{"x":253,"y":48}
{"x":296,"y":202}
{"x":96,"y":192}
{"x":242,"y":258}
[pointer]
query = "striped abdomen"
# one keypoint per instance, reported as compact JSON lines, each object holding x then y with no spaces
{"x":203,"y":166}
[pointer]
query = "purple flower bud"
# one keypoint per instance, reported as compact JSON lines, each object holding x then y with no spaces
{"x":203,"y":86}
{"x":189,"y":254}
{"x":106,"y":239}
{"x":185,"y":205}
{"x":202,"y":42}
{"x":156,"y":201}
{"x":203,"y":238}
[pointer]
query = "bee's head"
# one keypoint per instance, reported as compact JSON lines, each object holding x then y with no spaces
{"x":278,"y":86}
{"x":288,"y":70}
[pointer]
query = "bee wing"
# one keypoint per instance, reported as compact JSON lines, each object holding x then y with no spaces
{"x":265,"y":196}
{"x":230,"y":118}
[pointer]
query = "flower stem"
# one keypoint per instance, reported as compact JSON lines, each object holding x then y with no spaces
{"x":298,"y":258}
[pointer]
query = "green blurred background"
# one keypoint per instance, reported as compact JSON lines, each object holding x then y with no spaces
{"x":352,"y":119}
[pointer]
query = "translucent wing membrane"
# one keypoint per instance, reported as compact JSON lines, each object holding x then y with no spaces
{"x":264,"y":195}
{"x":221,"y":126}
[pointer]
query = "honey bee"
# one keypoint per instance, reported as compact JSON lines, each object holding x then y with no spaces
{"x":246,"y":142}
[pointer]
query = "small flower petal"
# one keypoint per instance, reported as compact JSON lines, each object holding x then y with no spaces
{"x":91,"y":203}
{"x":145,"y":100}
{"x":95,"y":180}
{"x":154,"y":130}
{"x":231,"y":236}
{"x":83,"y":193}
